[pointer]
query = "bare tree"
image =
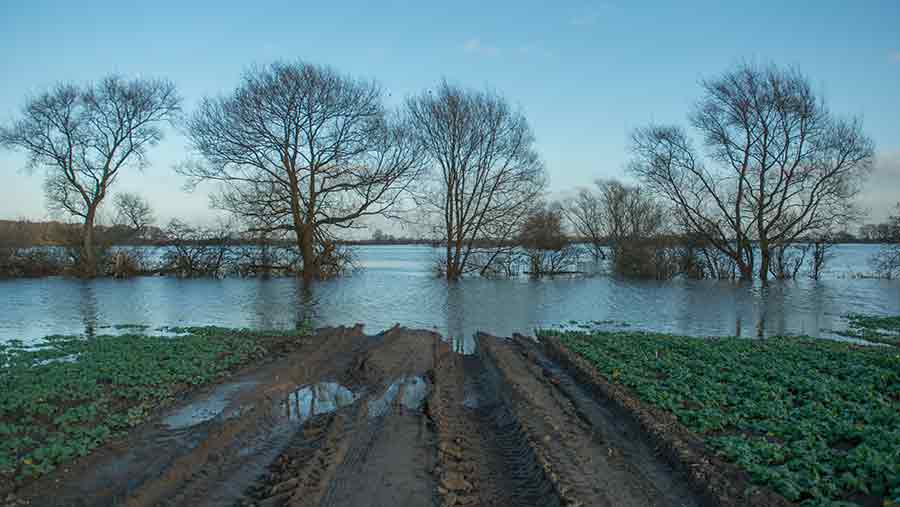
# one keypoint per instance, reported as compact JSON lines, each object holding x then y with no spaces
{"x":614,"y":213}
{"x":487,"y":175}
{"x":196,"y":252}
{"x":821,"y":252}
{"x":887,"y":261}
{"x":133,"y":212}
{"x":84,"y":136}
{"x":303,"y":149}
{"x":629,"y":212}
{"x":585,"y":214}
{"x":777,"y":164}
{"x":546,"y":245}
{"x":788,"y":258}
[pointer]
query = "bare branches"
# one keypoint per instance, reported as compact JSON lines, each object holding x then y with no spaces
{"x":133,"y":212}
{"x":585,"y":213}
{"x":486,"y":173}
{"x":301,"y":148}
{"x":777,"y":164}
{"x":887,"y":261}
{"x":84,"y":136}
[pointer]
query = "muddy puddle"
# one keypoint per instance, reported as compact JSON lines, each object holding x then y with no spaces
{"x":316,"y":399}
{"x":208,"y":407}
{"x":392,"y":419}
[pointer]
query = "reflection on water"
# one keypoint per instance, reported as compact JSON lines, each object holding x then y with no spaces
{"x":316,"y":399}
{"x":206,"y":408}
{"x":411,"y":391}
{"x":88,"y":307}
{"x":396,"y":286}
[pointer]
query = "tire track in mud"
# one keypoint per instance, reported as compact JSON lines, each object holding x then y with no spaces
{"x":583,"y":450}
{"x":378,"y":449}
{"x":484,"y":458}
{"x":207,"y":457}
{"x":390,"y":447}
{"x":221,"y":469}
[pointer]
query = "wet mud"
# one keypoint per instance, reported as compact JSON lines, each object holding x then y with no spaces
{"x":392,"y":419}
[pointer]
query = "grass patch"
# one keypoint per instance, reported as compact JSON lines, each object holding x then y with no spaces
{"x":816,"y":420}
{"x":71,"y":394}
{"x":874,"y":329}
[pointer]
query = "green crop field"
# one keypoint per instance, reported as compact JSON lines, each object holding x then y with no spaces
{"x":816,"y":420}
{"x":71,"y":394}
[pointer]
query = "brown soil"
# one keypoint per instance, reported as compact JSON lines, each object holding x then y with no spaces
{"x":394,"y":419}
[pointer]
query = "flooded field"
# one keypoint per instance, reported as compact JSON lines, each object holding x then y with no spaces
{"x":396,"y":285}
{"x":359,"y":417}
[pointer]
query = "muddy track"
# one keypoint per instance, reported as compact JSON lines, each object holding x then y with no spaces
{"x":484,"y":458}
{"x":589,"y":455}
{"x":393,"y":419}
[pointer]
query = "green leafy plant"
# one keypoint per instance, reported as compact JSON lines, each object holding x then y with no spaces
{"x":816,"y":420}
{"x":874,"y":329}
{"x":69,"y":395}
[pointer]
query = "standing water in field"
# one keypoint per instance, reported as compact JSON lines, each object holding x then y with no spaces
{"x":396,"y":284}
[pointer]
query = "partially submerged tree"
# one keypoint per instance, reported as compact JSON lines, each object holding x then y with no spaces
{"x":197,"y":252}
{"x":303,"y":149}
{"x":777,"y":164}
{"x":619,"y":215}
{"x":486,"y":176}
{"x":887,"y":261}
{"x":545,"y":242}
{"x":821,"y":252}
{"x":584,"y":212}
{"x":85,"y":136}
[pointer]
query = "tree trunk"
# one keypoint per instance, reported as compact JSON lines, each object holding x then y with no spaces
{"x":764,"y":261}
{"x":450,"y":268}
{"x":746,"y":271}
{"x":306,"y":242}
{"x":88,"y":258}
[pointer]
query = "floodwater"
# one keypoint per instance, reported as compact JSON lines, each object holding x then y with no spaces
{"x":395,"y":284}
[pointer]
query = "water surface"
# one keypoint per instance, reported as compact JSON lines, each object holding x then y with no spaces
{"x":396,"y":285}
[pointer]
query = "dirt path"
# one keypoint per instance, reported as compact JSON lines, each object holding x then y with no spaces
{"x":394,"y":419}
{"x":592,"y":457}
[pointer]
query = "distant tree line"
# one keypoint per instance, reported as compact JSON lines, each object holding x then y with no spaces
{"x":762,"y":183}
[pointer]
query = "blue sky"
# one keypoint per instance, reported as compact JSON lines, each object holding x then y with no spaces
{"x":585,"y":73}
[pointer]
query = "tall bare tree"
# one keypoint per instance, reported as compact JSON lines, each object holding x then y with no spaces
{"x":303,"y":149}
{"x":486,"y":176}
{"x":777,"y":164}
{"x":85,"y":136}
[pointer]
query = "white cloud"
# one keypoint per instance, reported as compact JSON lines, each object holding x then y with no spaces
{"x":475,"y":46}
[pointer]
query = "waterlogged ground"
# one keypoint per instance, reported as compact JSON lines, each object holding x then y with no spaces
{"x":214,"y":416}
{"x":875,"y":329}
{"x":69,"y":396}
{"x":816,"y":420}
{"x":335,"y":418}
{"x":396,"y":285}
